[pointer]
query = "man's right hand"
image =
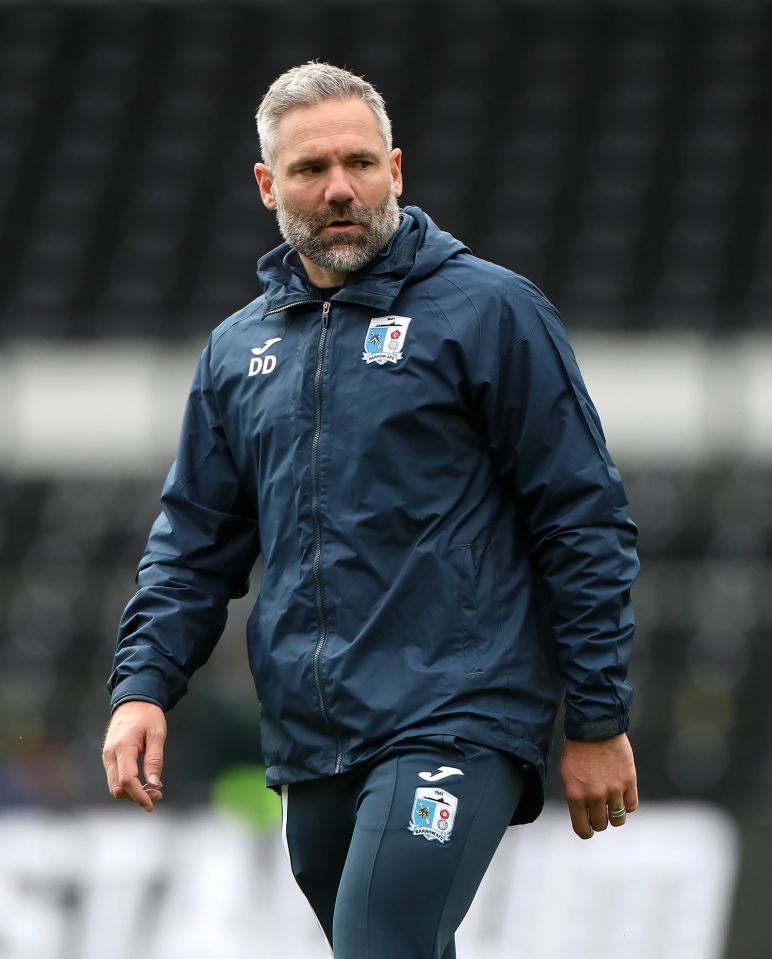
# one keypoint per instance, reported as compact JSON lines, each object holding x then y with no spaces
{"x":136,"y":728}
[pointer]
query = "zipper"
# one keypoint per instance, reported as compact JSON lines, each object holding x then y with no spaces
{"x":317,"y":565}
{"x":281,"y":309}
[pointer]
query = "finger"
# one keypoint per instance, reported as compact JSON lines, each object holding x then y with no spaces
{"x":597,"y":813}
{"x":631,"y":798}
{"x":128,"y":779}
{"x":154,"y":793}
{"x":616,"y":812}
{"x":153,"y":760}
{"x":579,"y":821}
{"x":110,"y":760}
{"x":111,"y":769}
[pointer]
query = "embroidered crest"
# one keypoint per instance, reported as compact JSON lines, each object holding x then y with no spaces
{"x":433,"y":815}
{"x":385,"y":339}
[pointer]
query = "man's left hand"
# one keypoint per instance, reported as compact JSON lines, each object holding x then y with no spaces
{"x":600,"y":783}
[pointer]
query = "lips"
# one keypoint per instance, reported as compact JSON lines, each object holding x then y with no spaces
{"x":342,"y":226}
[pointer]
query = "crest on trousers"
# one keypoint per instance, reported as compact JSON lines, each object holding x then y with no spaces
{"x":385,"y":339}
{"x":433,"y":815}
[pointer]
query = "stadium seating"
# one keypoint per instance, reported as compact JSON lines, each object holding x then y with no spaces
{"x":617,"y":154}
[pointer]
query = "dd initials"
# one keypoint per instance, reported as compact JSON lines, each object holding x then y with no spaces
{"x":261,"y":364}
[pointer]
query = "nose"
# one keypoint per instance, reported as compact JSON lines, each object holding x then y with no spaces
{"x":338,"y":187}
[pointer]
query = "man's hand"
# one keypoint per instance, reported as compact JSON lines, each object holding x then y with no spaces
{"x":135,"y":728}
{"x":599,"y":780}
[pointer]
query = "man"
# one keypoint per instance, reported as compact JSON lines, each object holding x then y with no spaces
{"x":402,"y":431}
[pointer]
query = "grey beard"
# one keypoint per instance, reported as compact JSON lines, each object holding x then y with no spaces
{"x":339,"y":254}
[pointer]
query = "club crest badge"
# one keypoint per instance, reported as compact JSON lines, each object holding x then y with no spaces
{"x":433,"y":815}
{"x":385,"y":339}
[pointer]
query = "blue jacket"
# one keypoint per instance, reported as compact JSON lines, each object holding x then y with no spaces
{"x":445,"y":538}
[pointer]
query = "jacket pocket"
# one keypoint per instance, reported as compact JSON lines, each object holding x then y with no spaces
{"x":467,"y":606}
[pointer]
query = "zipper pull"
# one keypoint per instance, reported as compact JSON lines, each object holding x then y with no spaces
{"x":326,"y":313}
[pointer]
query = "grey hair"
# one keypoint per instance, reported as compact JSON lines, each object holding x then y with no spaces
{"x":305,"y":85}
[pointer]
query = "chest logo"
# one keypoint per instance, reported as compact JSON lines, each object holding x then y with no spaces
{"x":261,"y":363}
{"x":433,"y":814}
{"x":385,"y":339}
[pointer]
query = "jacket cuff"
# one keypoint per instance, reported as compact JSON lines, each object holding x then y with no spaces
{"x":597,"y":730}
{"x":133,"y":698}
{"x":145,"y":686}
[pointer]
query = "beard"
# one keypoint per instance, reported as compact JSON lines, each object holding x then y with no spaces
{"x":339,"y":253}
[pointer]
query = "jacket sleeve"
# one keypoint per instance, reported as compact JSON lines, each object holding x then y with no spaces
{"x":199,"y":555}
{"x":548,"y":446}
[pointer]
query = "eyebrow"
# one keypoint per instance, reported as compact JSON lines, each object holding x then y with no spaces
{"x":361,"y":155}
{"x":315,"y":160}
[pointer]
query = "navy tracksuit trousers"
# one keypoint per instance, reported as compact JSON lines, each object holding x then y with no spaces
{"x":390,"y":856}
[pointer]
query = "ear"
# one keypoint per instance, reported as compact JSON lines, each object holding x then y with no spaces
{"x":395,"y":162}
{"x":264,"y":178}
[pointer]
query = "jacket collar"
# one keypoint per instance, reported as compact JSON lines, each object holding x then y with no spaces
{"x":376,"y":285}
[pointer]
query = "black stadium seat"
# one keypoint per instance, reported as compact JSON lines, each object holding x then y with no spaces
{"x":621,"y":156}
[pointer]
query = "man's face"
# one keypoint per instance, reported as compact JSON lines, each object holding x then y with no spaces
{"x":333,"y":186}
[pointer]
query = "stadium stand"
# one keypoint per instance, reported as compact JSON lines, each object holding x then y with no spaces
{"x":619,"y":154}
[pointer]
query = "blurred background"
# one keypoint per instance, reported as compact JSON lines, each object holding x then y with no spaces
{"x":619,"y":154}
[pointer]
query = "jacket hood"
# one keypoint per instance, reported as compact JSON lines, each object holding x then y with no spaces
{"x":417,"y":249}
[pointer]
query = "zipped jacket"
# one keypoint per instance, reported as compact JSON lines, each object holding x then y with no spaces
{"x":445,"y":538}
